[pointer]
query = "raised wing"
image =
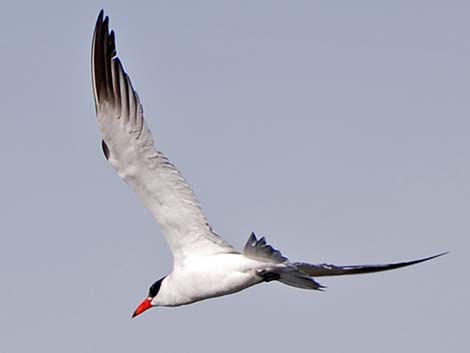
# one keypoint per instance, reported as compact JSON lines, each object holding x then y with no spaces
{"x":128,"y":146}
{"x":320,"y":270}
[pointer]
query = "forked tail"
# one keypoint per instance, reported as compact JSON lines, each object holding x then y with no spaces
{"x":299,"y":274}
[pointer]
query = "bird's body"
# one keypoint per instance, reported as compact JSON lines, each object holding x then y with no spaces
{"x":205,"y":265}
{"x":208,"y":277}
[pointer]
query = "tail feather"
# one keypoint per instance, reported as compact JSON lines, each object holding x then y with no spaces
{"x":299,"y":274}
{"x":295,"y":278}
{"x":260,"y":250}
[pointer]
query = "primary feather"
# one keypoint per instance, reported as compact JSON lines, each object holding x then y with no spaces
{"x":205,"y":266}
{"x":129,"y":147}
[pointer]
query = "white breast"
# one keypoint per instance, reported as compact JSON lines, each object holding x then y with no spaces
{"x":207,"y":277}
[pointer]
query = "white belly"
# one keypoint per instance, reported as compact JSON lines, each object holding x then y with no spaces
{"x":208,"y":277}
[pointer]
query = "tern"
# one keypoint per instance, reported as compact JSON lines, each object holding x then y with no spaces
{"x":204,"y":265}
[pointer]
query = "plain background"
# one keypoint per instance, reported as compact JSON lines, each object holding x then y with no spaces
{"x":339,"y":130}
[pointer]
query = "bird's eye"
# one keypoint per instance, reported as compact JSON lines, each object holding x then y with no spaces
{"x":154,"y":288}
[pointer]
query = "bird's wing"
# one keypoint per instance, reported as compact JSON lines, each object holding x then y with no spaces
{"x":319,"y":270}
{"x":128,"y":146}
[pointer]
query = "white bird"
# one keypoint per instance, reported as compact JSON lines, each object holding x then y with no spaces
{"x":205,"y":265}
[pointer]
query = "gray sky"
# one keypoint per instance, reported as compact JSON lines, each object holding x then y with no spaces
{"x":339,"y":131}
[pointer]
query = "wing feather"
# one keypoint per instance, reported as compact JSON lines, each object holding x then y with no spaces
{"x":320,"y":270}
{"x":129,"y":147}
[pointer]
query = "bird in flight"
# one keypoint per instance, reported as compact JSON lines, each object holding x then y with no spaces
{"x":204,"y":265}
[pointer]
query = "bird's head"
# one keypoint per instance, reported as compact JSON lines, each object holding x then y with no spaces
{"x":149,"y":302}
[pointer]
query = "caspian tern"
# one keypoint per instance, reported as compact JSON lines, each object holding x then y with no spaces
{"x":205,"y":266}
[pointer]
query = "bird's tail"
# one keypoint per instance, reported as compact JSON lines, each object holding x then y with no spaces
{"x":295,"y":278}
{"x":282,"y":270}
{"x":299,"y":274}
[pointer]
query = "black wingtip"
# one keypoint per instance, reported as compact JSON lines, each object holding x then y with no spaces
{"x":433,"y":257}
{"x":379,"y":268}
{"x":99,"y":20}
{"x":321,"y":270}
{"x":105,"y":23}
{"x":112,"y":44}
